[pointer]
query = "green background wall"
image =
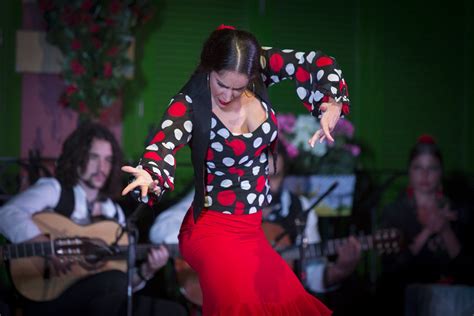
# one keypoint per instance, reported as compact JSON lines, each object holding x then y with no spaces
{"x":408,"y":66}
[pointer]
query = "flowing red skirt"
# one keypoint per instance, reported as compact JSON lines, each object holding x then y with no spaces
{"x":239,"y":272}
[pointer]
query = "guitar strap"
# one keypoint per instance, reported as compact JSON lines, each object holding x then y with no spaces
{"x":66,"y":202}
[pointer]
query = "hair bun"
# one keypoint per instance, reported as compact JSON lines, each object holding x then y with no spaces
{"x":225,"y":27}
{"x":426,"y":139}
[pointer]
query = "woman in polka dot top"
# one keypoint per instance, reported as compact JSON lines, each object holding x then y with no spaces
{"x":223,"y":113}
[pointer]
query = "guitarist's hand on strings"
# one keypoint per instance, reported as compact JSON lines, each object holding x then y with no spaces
{"x":157,"y":258}
{"x":143,"y":181}
{"x":61,"y":266}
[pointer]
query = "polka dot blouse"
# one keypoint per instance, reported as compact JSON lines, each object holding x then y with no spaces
{"x":237,"y":164}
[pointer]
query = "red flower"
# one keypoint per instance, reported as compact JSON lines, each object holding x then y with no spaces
{"x":225,"y":27}
{"x":76,"y":44}
{"x":83,"y":107}
{"x":107,"y":69}
{"x":112,"y":51}
{"x":426,"y":139}
{"x":96,"y":42}
{"x":71,"y":89}
{"x":114,"y":7}
{"x":94,"y":28}
{"x":87,"y":5}
{"x":77,"y":68}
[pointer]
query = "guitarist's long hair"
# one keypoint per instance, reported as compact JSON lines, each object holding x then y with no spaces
{"x":75,"y":155}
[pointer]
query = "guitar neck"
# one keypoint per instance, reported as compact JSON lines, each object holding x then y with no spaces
{"x":142,"y":250}
{"x":329,"y":248}
{"x":22,"y":250}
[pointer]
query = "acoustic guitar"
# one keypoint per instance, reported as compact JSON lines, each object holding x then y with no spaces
{"x":91,"y":249}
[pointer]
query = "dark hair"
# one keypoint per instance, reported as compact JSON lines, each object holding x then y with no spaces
{"x":425,"y":145}
{"x":75,"y":156}
{"x":234,"y":50}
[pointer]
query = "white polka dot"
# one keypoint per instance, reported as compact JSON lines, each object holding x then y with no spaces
{"x":318,"y":96}
{"x":207,"y":201}
{"x":152,"y":163}
{"x":226,"y":183}
{"x":219,"y":173}
{"x":290,"y":69}
{"x":166,"y":185}
{"x":300,"y":56}
{"x":211,"y":165}
{"x":171,"y":101}
{"x":310,"y":57}
{"x":263,"y":158}
{"x":166,"y":172}
{"x":212,"y":135}
{"x":253,"y":210}
{"x":263,"y":62}
{"x":243,"y":159}
{"x":227,"y":212}
{"x":334,"y":90}
{"x":247,"y":135}
{"x":168,"y":145}
{"x":255,"y":170}
{"x":269,"y":198}
{"x":156,"y":170}
{"x":223,"y":132}
{"x":319,"y":74}
{"x":217,"y":146}
{"x":166,"y":123}
{"x":188,"y":98}
{"x":188,"y":126}
{"x":169,"y":159}
{"x":178,"y":134}
{"x":301,"y":92}
{"x":264,"y":78}
{"x":275,"y":79}
{"x":265,"y":106}
{"x":152,"y":147}
{"x":261,"y":199}
{"x":189,"y":138}
{"x":249,"y":163}
{"x":251,"y":198}
{"x":339,"y":72}
{"x":287,"y":50}
{"x":245,"y":185}
{"x":257,"y":142}
{"x":213,"y":122}
{"x":333,"y":78}
{"x":209,"y":188}
{"x":274,"y":135}
{"x":266,"y":127}
{"x":227,"y":161}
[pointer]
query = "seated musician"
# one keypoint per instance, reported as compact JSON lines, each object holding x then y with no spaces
{"x":87,"y":176}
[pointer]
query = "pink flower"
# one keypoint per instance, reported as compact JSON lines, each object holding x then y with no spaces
{"x":353,"y":149}
{"x":344,"y":128}
{"x":286,"y":122}
{"x":71,"y":89}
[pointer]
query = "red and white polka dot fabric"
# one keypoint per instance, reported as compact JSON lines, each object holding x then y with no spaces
{"x":237,"y":167}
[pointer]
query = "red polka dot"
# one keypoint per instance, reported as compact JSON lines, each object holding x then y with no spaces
{"x":210,"y":155}
{"x":238,"y":146}
{"x":258,"y":152}
{"x":177,"y":109}
{"x":323,"y":61}
{"x":210,"y":178}
{"x":226,"y":197}
{"x":234,"y":170}
{"x":158,"y":137}
{"x":152,"y":155}
{"x":276,"y":62}
{"x":239,"y":208}
{"x":302,"y":75}
{"x":345,"y":109}
{"x":260,"y":184}
{"x":307,"y":106}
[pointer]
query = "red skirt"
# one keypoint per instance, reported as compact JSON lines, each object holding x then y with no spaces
{"x":239,"y":272}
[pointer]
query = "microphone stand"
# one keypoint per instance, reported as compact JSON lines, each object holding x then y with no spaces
{"x":132,"y":230}
{"x":300,"y":223}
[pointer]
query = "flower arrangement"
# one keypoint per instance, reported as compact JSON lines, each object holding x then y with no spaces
{"x":93,"y":36}
{"x":339,"y":157}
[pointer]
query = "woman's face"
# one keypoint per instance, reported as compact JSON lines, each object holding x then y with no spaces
{"x":425,"y":173}
{"x":226,"y":86}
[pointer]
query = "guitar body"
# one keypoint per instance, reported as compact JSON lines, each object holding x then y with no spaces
{"x":275,"y":231}
{"x":35,"y":278}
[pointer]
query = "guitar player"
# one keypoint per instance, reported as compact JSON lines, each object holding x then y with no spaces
{"x":87,"y":177}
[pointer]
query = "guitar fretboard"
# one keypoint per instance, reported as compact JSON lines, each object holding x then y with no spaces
{"x":26,"y":250}
{"x":142,"y":250}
